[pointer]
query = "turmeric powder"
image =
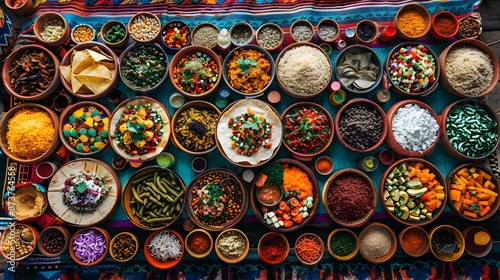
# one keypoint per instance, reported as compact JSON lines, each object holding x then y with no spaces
{"x":411,"y":23}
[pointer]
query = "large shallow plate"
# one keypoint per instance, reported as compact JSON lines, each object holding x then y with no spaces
{"x":106,"y":209}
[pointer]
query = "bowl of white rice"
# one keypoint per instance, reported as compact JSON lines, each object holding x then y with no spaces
{"x":303,"y":70}
{"x":469,"y":69}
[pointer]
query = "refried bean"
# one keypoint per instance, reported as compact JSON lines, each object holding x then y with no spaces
{"x":350,"y":197}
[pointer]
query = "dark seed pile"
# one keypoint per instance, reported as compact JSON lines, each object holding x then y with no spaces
{"x":360,"y":126}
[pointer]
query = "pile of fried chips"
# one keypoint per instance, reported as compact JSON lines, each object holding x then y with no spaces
{"x":89,"y":70}
{"x":356,"y":71}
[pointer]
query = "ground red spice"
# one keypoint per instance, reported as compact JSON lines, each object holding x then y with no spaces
{"x":350,"y":197}
{"x":445,"y":25}
{"x":273,"y":248}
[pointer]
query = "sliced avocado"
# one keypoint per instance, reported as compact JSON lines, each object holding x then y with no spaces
{"x":415,"y":212}
{"x":416,"y":192}
{"x":414,"y":219}
{"x":389,"y":202}
{"x":403,"y":167}
{"x":414,"y":184}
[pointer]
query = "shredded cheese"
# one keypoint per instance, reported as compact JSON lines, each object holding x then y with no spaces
{"x":165,"y":246}
{"x":30,"y":133}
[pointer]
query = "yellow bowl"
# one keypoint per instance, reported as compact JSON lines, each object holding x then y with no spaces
{"x":223,"y":257}
{"x":350,"y":255}
{"x":113,"y":252}
{"x":444,"y":256}
{"x":191,"y":251}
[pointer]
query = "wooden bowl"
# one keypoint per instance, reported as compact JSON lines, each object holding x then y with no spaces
{"x":125,"y":234}
{"x":225,"y":258}
{"x":302,"y":22}
{"x":213,"y":45}
{"x":73,"y":168}
{"x":328,"y":22}
{"x":351,"y":255}
{"x":309,"y":235}
{"x":48,"y":230}
{"x":107,"y":26}
{"x":238,"y":27}
{"x":391,"y":64}
{"x":477,"y":251}
{"x":391,"y":139}
{"x":101,"y":231}
{"x":23,"y":10}
{"x":444,"y":131}
{"x":166,"y":176}
{"x":175,"y":25}
{"x":7,"y":240}
{"x":359,"y":174}
{"x":391,"y":193}
{"x":66,"y":61}
{"x":434,"y":29}
{"x":415,"y":230}
{"x":69,"y":112}
{"x":369,"y":104}
{"x":175,"y":71}
{"x":324,"y":120}
{"x":258,"y":209}
{"x":304,"y":68}
{"x":446,"y":256}
{"x":213,"y":176}
{"x":156,"y":27}
{"x":392,"y":250}
{"x":362,"y":23}
{"x":14,"y":58}
{"x":259,"y":35}
{"x":421,"y":10}
{"x":158,"y":263}
{"x":45,"y":18}
{"x":191,"y":251}
{"x":271,"y":237}
{"x":182,"y":145}
{"x":444,"y":80}
{"x":4,"y":129}
{"x":454,"y":181}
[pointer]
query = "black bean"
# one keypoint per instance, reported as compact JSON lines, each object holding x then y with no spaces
{"x":360,"y":126}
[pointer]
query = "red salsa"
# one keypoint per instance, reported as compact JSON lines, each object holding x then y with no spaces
{"x":196,"y":73}
{"x":269,"y":194}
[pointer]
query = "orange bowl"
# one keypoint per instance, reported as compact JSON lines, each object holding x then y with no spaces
{"x":331,"y":239}
{"x":449,"y":18}
{"x":366,"y":237}
{"x":15,"y":230}
{"x":445,"y":252}
{"x":225,"y":241}
{"x":98,"y":231}
{"x":115,"y":249}
{"x":426,"y":21}
{"x":273,"y":239}
{"x":423,"y":244}
{"x":323,"y":26}
{"x":194,"y":253}
{"x":48,"y":231}
{"x":41,"y":20}
{"x":314,"y":238}
{"x":303,"y":24}
{"x":203,"y":39}
{"x":163,"y":234}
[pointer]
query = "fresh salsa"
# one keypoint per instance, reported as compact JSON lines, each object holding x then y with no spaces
{"x":196,"y":73}
{"x":250,"y":132}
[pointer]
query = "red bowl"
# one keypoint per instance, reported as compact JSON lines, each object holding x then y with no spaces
{"x":443,"y":15}
{"x":157,"y":263}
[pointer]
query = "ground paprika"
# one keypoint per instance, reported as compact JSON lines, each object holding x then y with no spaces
{"x":413,"y":241}
{"x":273,"y":248}
{"x":444,"y":25}
{"x":199,"y":242}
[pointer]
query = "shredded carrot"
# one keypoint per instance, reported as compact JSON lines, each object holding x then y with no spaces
{"x":308,"y":249}
{"x":294,"y":179}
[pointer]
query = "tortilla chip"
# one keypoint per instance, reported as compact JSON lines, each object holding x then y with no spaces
{"x":98,"y":56}
{"x":97,"y":70}
{"x":75,"y":84}
{"x":94,"y":83}
{"x":85,"y":63}
{"x":66,"y":72}
{"x":97,"y":49}
{"x":109,"y":65}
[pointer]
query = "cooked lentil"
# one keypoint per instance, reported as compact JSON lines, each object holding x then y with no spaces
{"x":269,"y":37}
{"x":195,"y":127}
{"x":205,"y":36}
{"x":144,"y":28}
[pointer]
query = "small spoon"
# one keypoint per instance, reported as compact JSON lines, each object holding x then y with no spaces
{"x":230,"y":179}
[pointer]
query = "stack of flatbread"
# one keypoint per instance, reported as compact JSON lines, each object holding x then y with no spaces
{"x":356,"y":71}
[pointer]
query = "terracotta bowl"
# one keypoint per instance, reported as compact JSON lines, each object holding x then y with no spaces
{"x":172,"y":26}
{"x":42,"y":20}
{"x":328,"y":22}
{"x":327,"y":186}
{"x":302,"y":22}
{"x":390,"y":193}
{"x":421,"y":10}
{"x":262,"y":43}
{"x":23,"y":10}
{"x":158,"y":263}
{"x":261,"y":210}
{"x":101,"y":231}
{"x":201,"y":254}
{"x":462,"y":32}
{"x":195,"y":42}
{"x":114,"y":72}
{"x":391,"y":139}
{"x":223,"y":257}
{"x":447,"y":256}
{"x":113,"y":252}
{"x":418,"y":231}
{"x":130,"y":190}
{"x":444,"y":80}
{"x":239,"y":27}
{"x":330,"y":239}
{"x":444,"y":131}
{"x":70,"y":111}
{"x":105,"y":28}
{"x":482,"y":179}
{"x":362,"y":23}
{"x":33,"y":198}
{"x":435,"y":30}
{"x":390,"y":66}
{"x":471,"y":236}
{"x":273,"y":237}
{"x":66,"y":235}
{"x":175,"y":71}
{"x":367,"y":103}
{"x":392,"y":250}
{"x":309,"y":235}
{"x":5,"y":239}
{"x":326,"y":119}
{"x":144,"y":15}
{"x":3,"y":133}
{"x":202,"y":105}
{"x":14,"y":57}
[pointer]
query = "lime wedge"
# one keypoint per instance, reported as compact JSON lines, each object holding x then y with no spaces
{"x":369,"y":163}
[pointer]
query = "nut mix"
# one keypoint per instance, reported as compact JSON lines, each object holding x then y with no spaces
{"x":33,"y":73}
{"x":83,"y":33}
{"x":144,"y":28}
{"x":470,"y":27}
{"x":124,"y":247}
{"x":53,"y":241}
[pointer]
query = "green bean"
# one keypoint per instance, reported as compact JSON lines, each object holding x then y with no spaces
{"x":142,"y":178}
{"x":144,"y":194}
{"x":160,"y":220}
{"x":136,"y":196}
{"x":155,"y":200}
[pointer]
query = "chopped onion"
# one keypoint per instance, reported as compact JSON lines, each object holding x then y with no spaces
{"x":165,"y":246}
{"x":89,"y":246}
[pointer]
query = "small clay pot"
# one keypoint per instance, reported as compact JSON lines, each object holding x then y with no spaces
{"x":46,"y":231}
{"x":392,"y":250}
{"x":420,"y":9}
{"x":22,"y":10}
{"x":42,"y":20}
{"x":328,"y":22}
{"x":440,"y":16}
{"x":473,"y":249}
{"x":309,"y":235}
{"x":99,"y":230}
{"x":354,"y":252}
{"x":298,"y":23}
{"x":423,"y":235}
{"x":266,"y":237}
{"x":237,"y":259}
{"x":364,"y":26}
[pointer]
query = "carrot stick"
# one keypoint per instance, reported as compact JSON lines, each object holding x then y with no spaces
{"x":470,"y":214}
{"x":484,"y":211}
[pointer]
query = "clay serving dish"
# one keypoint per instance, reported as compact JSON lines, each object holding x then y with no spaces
{"x":328,"y":22}
{"x":144,"y":15}
{"x":175,"y":26}
{"x":4,"y":128}
{"x":213,"y":45}
{"x":445,"y":130}
{"x":309,"y":235}
{"x":107,"y":26}
{"x":64,"y":124}
{"x":327,"y":186}
{"x":23,"y":10}
{"x":444,"y":80}
{"x":239,"y":39}
{"x":101,"y":231}
{"x":115,"y":239}
{"x":261,"y":42}
{"x":351,"y":255}
{"x":421,"y":10}
{"x":415,"y":230}
{"x":463,"y":23}
{"x":191,"y":251}
{"x":488,"y":181}
{"x":48,"y":230}
{"x":367,"y":103}
{"x":14,"y":58}
{"x":448,"y":253}
{"x":130,"y":190}
{"x":236,"y":259}
{"x":175,"y":72}
{"x":202,"y":105}
{"x":301,"y":23}
{"x":361,"y":24}
{"x":410,"y":195}
{"x":269,"y":237}
{"x":392,"y":250}
{"x":158,"y":263}
{"x":391,"y":139}
{"x":474,"y":234}
{"x":6,"y":239}
{"x":443,"y":15}
{"x":114,"y":72}
{"x":45,"y":18}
